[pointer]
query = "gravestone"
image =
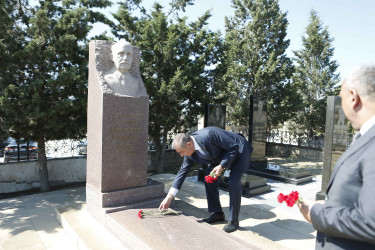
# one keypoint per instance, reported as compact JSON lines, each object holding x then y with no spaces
{"x":258,"y":129}
{"x":258,"y":132}
{"x":117,"y":132}
{"x":251,"y":185}
{"x":215,"y":116}
{"x":335,"y":140}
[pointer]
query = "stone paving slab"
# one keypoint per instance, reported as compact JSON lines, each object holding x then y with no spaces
{"x":29,"y":222}
{"x":170,"y":232}
{"x":275,"y":225}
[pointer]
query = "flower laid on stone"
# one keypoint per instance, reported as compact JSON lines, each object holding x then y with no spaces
{"x":157,"y":213}
{"x":290,"y":199}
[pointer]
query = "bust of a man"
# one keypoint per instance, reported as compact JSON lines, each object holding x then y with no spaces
{"x":121,"y":81}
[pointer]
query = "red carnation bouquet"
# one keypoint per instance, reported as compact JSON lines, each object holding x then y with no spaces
{"x":210,"y":178}
{"x":290,"y":199}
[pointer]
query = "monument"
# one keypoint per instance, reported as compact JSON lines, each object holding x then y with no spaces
{"x":335,"y":140}
{"x":117,"y":130}
{"x":215,"y":116}
{"x":258,"y":128}
{"x":258,"y":134}
{"x":117,"y":185}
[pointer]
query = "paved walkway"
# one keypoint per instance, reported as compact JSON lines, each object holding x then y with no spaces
{"x":29,"y":222}
{"x":263,"y":221}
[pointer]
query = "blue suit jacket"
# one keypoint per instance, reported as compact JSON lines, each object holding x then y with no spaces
{"x":347,"y":219}
{"x":221,"y":147}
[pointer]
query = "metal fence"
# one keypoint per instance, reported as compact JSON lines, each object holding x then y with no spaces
{"x":66,"y":148}
{"x":54,"y":149}
{"x":72,"y":148}
{"x":302,"y":140}
{"x":296,"y":139}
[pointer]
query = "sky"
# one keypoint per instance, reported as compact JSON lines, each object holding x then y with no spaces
{"x":351,"y":23}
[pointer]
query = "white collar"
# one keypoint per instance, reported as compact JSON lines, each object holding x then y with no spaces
{"x":367,"y":125}
{"x":196,"y":145}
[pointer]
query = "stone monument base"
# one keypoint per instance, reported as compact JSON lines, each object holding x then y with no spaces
{"x":251,"y":185}
{"x":168,"y":232}
{"x":101,"y":203}
{"x":259,"y":162}
{"x":275,"y":172}
{"x":320,"y":196}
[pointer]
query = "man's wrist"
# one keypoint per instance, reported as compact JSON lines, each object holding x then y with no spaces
{"x":173,"y":191}
{"x":170,"y":196}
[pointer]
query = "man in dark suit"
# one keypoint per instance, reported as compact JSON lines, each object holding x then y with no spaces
{"x":220,"y":149}
{"x":346,"y":220}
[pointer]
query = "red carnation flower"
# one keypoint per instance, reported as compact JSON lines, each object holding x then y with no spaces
{"x":281,"y":197}
{"x":140,"y":214}
{"x":210,"y":178}
{"x":289,"y":199}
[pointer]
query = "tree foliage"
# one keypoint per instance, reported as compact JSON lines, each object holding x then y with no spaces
{"x":177,"y":61}
{"x":255,"y":45}
{"x":12,"y":40}
{"x":44,"y":79}
{"x":315,"y":76}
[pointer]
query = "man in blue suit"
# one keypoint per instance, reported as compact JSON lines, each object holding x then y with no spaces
{"x":346,"y":220}
{"x":220,"y":149}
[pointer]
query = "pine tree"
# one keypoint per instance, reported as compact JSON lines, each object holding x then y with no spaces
{"x":315,"y":76}
{"x":47,"y":97}
{"x":176,"y":65}
{"x":12,"y":40}
{"x":256,"y":46}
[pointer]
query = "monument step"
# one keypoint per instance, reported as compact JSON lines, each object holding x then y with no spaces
{"x":169,"y":232}
{"x":295,"y":181}
{"x":86,"y":231}
{"x":125,"y":230}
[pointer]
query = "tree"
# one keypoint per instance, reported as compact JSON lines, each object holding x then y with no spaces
{"x":12,"y":40}
{"x":176,"y":65}
{"x":256,"y":46}
{"x":315,"y":76}
{"x":45,"y":92}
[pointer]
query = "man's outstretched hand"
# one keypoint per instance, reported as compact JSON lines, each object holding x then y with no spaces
{"x":164,"y":205}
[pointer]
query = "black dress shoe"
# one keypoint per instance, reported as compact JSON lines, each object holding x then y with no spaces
{"x":231,"y":226}
{"x":215,"y":217}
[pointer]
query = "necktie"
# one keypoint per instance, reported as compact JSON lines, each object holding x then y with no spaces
{"x":356,"y":136}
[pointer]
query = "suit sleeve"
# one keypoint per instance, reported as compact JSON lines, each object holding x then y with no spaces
{"x":354,"y":221}
{"x":182,"y":173}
